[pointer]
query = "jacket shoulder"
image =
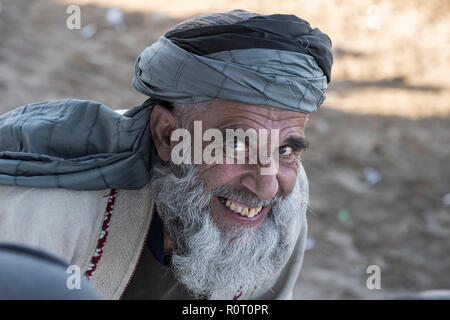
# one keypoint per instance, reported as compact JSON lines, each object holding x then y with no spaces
{"x":63,"y":222}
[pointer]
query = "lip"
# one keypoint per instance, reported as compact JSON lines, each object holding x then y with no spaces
{"x":240,"y":220}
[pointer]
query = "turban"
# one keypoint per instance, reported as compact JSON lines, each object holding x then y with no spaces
{"x":274,"y":60}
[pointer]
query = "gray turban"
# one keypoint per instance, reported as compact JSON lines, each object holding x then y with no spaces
{"x":274,"y":60}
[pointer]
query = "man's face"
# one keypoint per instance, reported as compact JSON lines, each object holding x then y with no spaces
{"x":216,"y":250}
{"x":224,"y":115}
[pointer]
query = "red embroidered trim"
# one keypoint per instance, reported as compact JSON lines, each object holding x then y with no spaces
{"x":103,"y":235}
{"x":238,"y":295}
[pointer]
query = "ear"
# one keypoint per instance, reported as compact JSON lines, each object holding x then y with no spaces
{"x":162,"y":123}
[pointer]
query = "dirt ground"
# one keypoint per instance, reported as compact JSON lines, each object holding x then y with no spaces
{"x":387,"y":118}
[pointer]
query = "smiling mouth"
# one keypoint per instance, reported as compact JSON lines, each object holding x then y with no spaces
{"x":239,"y":208}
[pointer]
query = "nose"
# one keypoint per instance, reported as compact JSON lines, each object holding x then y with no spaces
{"x":265,"y":186}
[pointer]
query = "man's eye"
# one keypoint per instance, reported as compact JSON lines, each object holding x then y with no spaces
{"x":236,"y":145}
{"x":286,"y":150}
{"x":239,"y":145}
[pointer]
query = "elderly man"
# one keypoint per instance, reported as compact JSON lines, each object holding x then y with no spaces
{"x":100,"y":189}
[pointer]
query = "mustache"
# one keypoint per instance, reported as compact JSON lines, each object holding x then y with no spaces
{"x":238,"y":193}
{"x":242,"y":194}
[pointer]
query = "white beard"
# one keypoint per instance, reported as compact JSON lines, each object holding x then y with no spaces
{"x":206,"y":260}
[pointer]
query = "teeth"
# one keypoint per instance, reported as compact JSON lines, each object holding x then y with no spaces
{"x":243,"y":210}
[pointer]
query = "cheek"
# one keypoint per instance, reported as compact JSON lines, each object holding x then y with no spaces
{"x":287,"y":176}
{"x":221,"y":174}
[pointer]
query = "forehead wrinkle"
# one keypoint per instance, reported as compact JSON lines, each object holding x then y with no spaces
{"x":270,"y":120}
{"x":262,"y":110}
{"x":301,"y":131}
{"x":302,"y":119}
{"x":271,"y":114}
{"x":243,"y":117}
{"x":241,"y":110}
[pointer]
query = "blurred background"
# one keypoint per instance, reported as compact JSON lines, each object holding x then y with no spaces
{"x":379,"y":159}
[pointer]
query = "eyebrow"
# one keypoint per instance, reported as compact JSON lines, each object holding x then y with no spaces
{"x":298,"y":142}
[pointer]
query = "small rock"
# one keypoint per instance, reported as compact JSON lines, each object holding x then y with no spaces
{"x":115,"y":19}
{"x":446,"y":199}
{"x":158,"y":16}
{"x":310,"y":243}
{"x":114,"y":16}
{"x":371,"y":176}
{"x":343,"y":215}
{"x":88,"y":30}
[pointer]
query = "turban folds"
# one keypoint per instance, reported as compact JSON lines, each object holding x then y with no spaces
{"x":274,"y":60}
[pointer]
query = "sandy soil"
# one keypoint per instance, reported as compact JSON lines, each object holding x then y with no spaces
{"x":388,"y":109}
